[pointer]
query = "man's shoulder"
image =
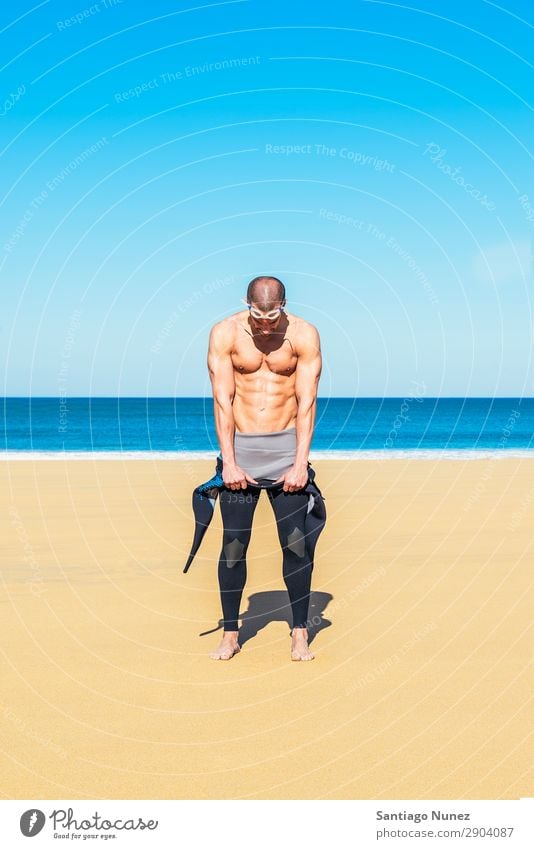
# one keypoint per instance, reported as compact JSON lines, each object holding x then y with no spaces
{"x":304,"y":326}
{"x":225,"y":330}
{"x":306,"y":333}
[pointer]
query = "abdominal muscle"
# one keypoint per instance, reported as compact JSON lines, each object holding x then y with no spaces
{"x":264,"y":402}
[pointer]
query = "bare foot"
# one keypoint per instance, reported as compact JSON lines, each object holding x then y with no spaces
{"x":227,"y":647}
{"x":299,"y":645}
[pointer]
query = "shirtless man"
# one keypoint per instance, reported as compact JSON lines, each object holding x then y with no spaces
{"x":264,"y":364}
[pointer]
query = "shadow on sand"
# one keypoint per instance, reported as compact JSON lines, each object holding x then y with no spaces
{"x":264,"y":608}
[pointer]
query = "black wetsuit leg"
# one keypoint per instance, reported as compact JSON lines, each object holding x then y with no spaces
{"x":237,"y":510}
{"x":290,"y":510}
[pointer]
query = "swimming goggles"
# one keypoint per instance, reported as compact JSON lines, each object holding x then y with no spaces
{"x":256,"y":313}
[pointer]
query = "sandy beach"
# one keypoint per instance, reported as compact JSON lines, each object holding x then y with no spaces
{"x":422,"y":601}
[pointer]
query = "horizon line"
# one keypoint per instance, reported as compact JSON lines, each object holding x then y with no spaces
{"x":319,"y":397}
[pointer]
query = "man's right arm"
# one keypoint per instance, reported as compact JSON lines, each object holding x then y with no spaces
{"x":222,"y":377}
{"x":221,"y":371}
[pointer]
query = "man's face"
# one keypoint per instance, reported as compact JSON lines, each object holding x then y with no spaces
{"x":265,"y":326}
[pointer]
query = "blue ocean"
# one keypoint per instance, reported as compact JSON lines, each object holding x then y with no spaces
{"x":175,"y":427}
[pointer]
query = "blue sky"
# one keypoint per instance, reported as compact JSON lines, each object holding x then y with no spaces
{"x":374,"y":156}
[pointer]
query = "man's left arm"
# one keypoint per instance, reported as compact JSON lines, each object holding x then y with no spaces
{"x":307,"y":376}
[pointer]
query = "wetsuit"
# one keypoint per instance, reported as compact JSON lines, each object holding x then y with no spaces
{"x":300,"y":517}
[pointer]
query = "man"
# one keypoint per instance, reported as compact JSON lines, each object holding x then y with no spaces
{"x":264,"y":365}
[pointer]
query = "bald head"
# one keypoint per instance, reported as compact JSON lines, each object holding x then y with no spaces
{"x":266,"y":292}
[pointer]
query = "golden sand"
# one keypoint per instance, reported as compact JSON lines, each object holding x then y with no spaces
{"x":420,"y":687}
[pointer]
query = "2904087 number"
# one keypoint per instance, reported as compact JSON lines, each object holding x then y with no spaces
{"x":496,"y":831}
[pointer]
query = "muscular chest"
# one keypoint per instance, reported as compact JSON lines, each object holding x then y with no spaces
{"x":247,"y":359}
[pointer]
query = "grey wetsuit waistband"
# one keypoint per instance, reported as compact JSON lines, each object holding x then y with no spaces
{"x":266,"y":455}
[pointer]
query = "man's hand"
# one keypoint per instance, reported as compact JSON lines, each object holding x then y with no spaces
{"x":296,"y":478}
{"x":235,"y":478}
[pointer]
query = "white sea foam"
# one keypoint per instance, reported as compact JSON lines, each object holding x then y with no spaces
{"x":180,"y":456}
